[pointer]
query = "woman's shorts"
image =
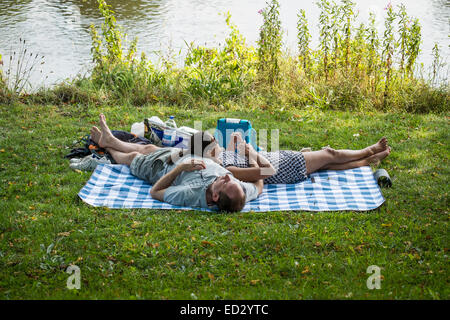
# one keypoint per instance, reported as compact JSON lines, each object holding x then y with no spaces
{"x":290,"y":166}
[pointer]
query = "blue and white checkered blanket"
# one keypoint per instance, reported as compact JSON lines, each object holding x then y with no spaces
{"x":356,"y":189}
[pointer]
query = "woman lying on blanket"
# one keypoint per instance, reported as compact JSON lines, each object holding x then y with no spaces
{"x":282,"y":166}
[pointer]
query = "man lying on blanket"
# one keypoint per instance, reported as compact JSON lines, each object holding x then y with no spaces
{"x":188,"y":181}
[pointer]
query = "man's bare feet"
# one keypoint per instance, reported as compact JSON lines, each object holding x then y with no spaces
{"x":377,"y":157}
{"x":106,"y":137}
{"x":95,"y":134}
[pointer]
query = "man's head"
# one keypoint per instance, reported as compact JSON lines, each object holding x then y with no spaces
{"x":228,"y":194}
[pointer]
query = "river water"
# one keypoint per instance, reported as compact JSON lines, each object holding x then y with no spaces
{"x":59,"y":30}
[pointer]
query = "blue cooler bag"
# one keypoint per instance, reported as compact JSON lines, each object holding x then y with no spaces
{"x":226,"y":126}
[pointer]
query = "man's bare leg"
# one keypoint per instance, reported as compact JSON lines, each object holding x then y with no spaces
{"x":316,"y":160}
{"x":122,"y":157}
{"x":370,"y":160}
{"x":105,"y":139}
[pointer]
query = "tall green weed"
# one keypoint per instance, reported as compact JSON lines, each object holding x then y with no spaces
{"x":269,"y":43}
{"x":221,"y":73}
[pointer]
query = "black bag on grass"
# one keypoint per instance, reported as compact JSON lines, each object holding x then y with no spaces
{"x":90,"y":147}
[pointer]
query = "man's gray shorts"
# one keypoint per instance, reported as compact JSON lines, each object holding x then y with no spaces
{"x":152,"y":166}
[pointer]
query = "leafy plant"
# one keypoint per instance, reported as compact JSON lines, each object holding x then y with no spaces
{"x":50,"y":260}
{"x":107,"y":50}
{"x":336,"y":34}
{"x":269,"y":43}
{"x":436,"y":65}
{"x":304,"y":38}
{"x":359,"y":48}
{"x":347,"y":17}
{"x":403,"y":34}
{"x":388,"y":48}
{"x":224,"y":72}
{"x":413,"y":42}
{"x":325,"y":32}
{"x":1,"y":69}
{"x":373,"y":44}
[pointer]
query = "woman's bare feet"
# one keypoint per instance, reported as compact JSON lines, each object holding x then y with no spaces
{"x":380,"y":146}
{"x":377,"y":157}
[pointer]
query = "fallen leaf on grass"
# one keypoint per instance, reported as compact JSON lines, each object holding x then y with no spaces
{"x":207,"y":243}
{"x":135,"y":224}
{"x":64,"y":234}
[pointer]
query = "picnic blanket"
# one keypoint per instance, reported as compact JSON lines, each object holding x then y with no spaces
{"x":113,"y":186}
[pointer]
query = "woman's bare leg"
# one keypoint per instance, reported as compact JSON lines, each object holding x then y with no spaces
{"x":106,"y":139}
{"x":371,"y":160}
{"x":345,"y":155}
{"x":316,"y":160}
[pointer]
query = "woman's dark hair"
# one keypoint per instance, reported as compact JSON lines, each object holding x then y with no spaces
{"x":199,"y":143}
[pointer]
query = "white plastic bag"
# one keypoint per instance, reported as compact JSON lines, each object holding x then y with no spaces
{"x":138,"y":128}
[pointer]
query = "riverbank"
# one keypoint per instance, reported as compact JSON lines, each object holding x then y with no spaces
{"x":354,"y":68}
{"x":60,"y":31}
{"x":157,"y":254}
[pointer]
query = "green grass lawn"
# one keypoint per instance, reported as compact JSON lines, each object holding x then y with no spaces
{"x":154,"y":254}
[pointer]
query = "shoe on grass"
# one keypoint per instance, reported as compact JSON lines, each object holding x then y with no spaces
{"x":88,"y":163}
{"x":76,"y":160}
